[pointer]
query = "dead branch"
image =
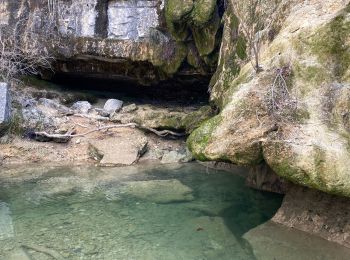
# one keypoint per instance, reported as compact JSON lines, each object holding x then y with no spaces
{"x":161,"y":133}
{"x":99,"y":118}
{"x":280,"y":103}
{"x":63,"y":138}
{"x":23,"y":54}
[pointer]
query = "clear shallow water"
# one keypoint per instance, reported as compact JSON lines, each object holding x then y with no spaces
{"x":149,"y":212}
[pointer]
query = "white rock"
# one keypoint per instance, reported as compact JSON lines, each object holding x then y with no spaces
{"x":82,"y":107}
{"x":4,"y":103}
{"x":112,"y":105}
{"x":132,"y":20}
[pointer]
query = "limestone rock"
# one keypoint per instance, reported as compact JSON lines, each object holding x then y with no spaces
{"x":125,"y":40}
{"x":81,"y":107}
{"x":274,"y":241}
{"x":163,"y":118}
{"x":315,"y":212}
{"x":50,"y":103}
{"x":34,"y":117}
{"x":132,"y":20}
{"x":120,"y":151}
{"x":176,"y":157}
{"x":112,"y":105}
{"x":4,"y":104}
{"x":129,"y":108}
{"x":158,"y":191}
{"x":307,"y":143}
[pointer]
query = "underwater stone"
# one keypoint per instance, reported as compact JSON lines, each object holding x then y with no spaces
{"x":6,"y":225}
{"x":158,"y":191}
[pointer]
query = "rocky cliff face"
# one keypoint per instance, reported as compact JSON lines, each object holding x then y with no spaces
{"x":299,"y":127}
{"x":124,"y":40}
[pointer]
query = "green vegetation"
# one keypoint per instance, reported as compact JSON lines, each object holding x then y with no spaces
{"x":14,"y":126}
{"x":200,"y":137}
{"x":331,"y":44}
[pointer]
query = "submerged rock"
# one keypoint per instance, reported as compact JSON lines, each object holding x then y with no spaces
{"x":158,"y":191}
{"x":164,"y":118}
{"x":212,"y":235}
{"x":317,"y":213}
{"x":6,"y":225}
{"x":4,"y":104}
{"x":273,"y":241}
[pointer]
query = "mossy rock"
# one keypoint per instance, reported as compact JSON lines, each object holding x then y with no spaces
{"x":194,"y":119}
{"x":171,"y":65}
{"x":203,"y":11}
{"x":199,"y":139}
{"x":176,"y":10}
{"x":205,"y":37}
{"x":331,"y":44}
{"x":175,"y":14}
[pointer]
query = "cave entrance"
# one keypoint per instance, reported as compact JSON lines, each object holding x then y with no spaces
{"x":179,"y":91}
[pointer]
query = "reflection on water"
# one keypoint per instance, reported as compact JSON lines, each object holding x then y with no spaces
{"x":153,"y":212}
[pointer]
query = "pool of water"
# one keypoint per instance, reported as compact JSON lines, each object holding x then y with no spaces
{"x":148,"y":212}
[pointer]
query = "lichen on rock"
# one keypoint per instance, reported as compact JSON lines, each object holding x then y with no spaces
{"x":309,"y":145}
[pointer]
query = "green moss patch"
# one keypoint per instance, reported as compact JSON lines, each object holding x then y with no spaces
{"x":331,"y":43}
{"x":200,"y":137}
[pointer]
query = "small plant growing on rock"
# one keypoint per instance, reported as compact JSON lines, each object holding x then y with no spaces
{"x":280,"y":103}
{"x":22,"y":51}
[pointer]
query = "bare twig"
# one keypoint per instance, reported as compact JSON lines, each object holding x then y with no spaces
{"x":24,"y":54}
{"x":62,"y":138}
{"x":280,"y":102}
{"x":100,"y":118}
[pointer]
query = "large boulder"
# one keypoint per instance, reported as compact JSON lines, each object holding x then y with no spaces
{"x":5,"y":105}
{"x":126,"y":40}
{"x":294,"y":115}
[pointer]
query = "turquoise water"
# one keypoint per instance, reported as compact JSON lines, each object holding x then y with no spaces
{"x":149,"y":212}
